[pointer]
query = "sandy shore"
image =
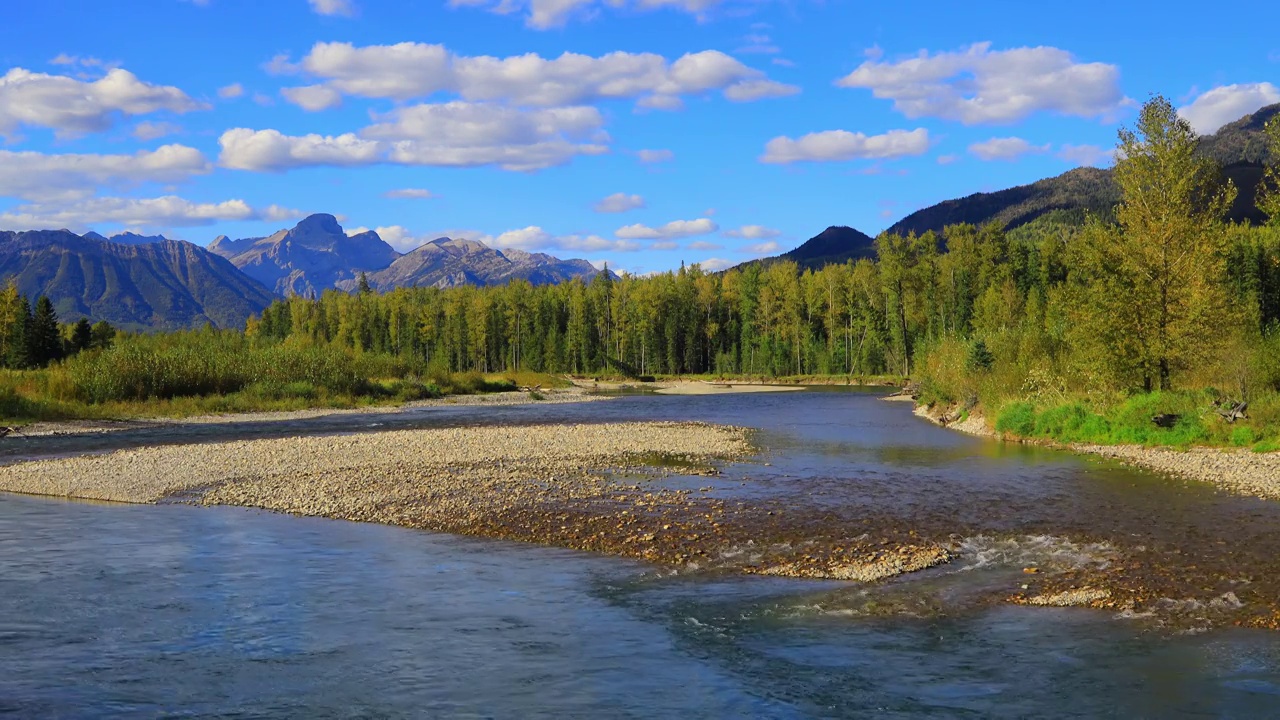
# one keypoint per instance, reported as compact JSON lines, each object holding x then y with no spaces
{"x":1239,"y":471}
{"x":76,"y":427}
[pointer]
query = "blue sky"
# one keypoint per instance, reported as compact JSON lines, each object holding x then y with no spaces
{"x":639,"y":132}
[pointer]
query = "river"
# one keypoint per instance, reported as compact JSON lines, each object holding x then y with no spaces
{"x":128,"y":611}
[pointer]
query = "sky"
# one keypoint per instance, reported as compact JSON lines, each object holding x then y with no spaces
{"x":641,"y":133}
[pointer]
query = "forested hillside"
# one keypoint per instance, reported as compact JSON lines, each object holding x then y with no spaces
{"x":1240,"y":149}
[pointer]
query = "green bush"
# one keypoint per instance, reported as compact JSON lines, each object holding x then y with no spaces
{"x":1017,"y":418}
{"x":1243,"y":436}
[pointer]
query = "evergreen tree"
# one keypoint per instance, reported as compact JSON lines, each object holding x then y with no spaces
{"x":81,"y":336}
{"x":18,"y":343}
{"x":44,"y":339}
{"x":364,"y":287}
{"x":102,"y":335}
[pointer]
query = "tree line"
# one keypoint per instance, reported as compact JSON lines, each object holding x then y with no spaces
{"x":33,"y":337}
{"x":1129,"y":300}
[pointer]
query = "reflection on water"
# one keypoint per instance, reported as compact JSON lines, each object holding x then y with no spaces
{"x":126,"y":611}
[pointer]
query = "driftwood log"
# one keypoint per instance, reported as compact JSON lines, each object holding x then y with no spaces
{"x":1230,"y":410}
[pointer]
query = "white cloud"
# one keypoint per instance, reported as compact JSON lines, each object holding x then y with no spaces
{"x":839,"y":145}
{"x":977,"y":85}
{"x":147,"y":130}
{"x":1228,"y":103}
{"x":168,"y":211}
{"x":313,"y":98}
{"x":1087,"y":155}
{"x":528,"y":239}
{"x":947,"y":159}
{"x":407,"y":71}
{"x":670,"y":231}
{"x":545,"y":14}
{"x":231,"y":92}
{"x":345,"y":8}
{"x":409,"y":194}
{"x":750,"y":90}
{"x":460,"y":134}
{"x":752,"y":232}
{"x":72,"y":106}
{"x":397,"y":236}
{"x":535,"y":238}
{"x":704,"y":245}
{"x":716,"y":264}
{"x":619,"y":202}
{"x":454,"y":134}
{"x":37,"y":176}
{"x":1007,"y":148}
{"x":664,"y":245}
{"x":655,"y":156}
{"x":245,"y":149}
{"x":763,"y":248}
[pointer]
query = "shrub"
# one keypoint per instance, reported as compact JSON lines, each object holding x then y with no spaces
{"x":1018,"y":419}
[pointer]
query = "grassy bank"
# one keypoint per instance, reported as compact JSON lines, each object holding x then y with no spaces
{"x":206,"y":372}
{"x":1192,"y":417}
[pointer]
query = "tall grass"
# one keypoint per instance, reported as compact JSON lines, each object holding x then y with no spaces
{"x":1129,"y":421}
{"x":196,"y":372}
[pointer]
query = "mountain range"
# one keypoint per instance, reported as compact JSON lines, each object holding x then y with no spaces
{"x":160,"y":284}
{"x":151,"y":282}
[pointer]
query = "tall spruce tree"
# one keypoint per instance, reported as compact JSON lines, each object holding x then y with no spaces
{"x":1151,"y":290}
{"x":44,"y":339}
{"x":81,"y":336}
{"x":18,"y":335}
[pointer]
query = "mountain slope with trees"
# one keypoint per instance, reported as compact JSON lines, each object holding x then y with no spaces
{"x":164,"y":285}
{"x":1239,"y":148}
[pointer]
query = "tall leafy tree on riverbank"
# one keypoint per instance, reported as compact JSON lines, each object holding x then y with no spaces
{"x":1152,"y":288}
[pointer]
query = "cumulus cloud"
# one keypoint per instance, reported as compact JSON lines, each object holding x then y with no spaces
{"x":977,"y":85}
{"x":1228,"y":103}
{"x":1087,"y":155}
{"x":545,"y":14}
{"x":344,"y":8}
{"x":839,"y":145}
{"x":313,"y":98}
{"x":454,"y":134}
{"x":409,"y":194}
{"x":619,"y":202}
{"x":947,"y":159}
{"x":271,"y":150}
{"x":716,"y":264}
{"x":655,"y":156}
{"x":231,"y":92}
{"x":71,"y":106}
{"x":534,"y":238}
{"x":762,"y":248}
{"x":1007,"y":148}
{"x":168,"y":211}
{"x":672,"y":230}
{"x":529,"y":239}
{"x":664,"y":245}
{"x":408,"y":71}
{"x":704,"y":245}
{"x":752,"y":232}
{"x":37,"y":176}
{"x":461,"y":134}
{"x":148,"y":130}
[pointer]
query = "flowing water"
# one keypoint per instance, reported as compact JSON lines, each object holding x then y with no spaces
{"x":128,"y":611}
